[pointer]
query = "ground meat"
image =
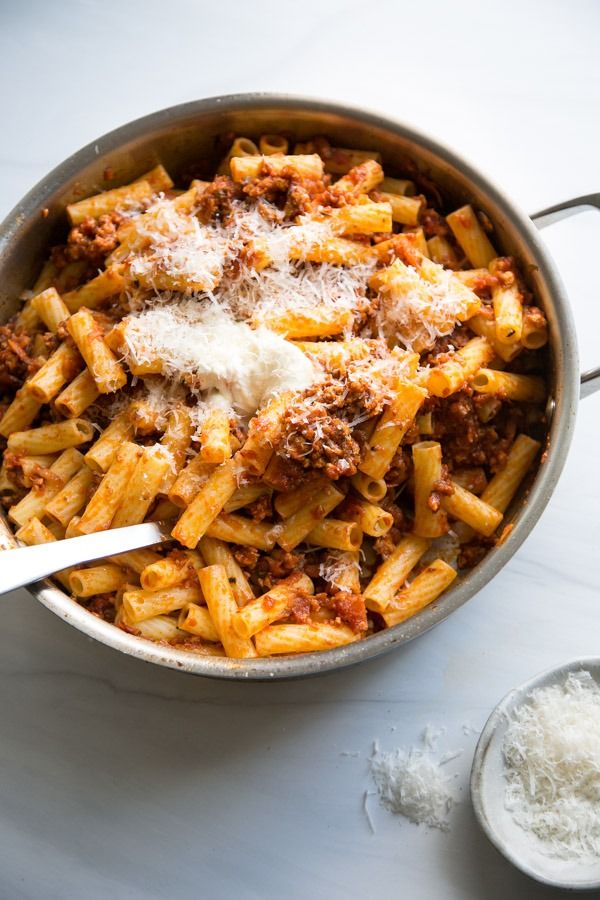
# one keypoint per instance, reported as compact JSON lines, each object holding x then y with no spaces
{"x":216,"y":201}
{"x":102,"y":606}
{"x":45,"y":343}
{"x":261,"y":508}
{"x":335,"y":197}
{"x":317,"y":431}
{"x":356,"y":175}
{"x":12,"y":461}
{"x":322,"y":146}
{"x":504,"y":269}
{"x":434,"y":224}
{"x":473,"y":479}
{"x":446,"y":345}
{"x":482,"y":285}
{"x":92,"y":240}
{"x":319,"y":144}
{"x":365,"y":313}
{"x":408,"y":249}
{"x":277,"y":565}
{"x":465,"y":440}
{"x":285,"y":474}
{"x":320,"y":191}
{"x":434,"y":501}
{"x":16,"y":361}
{"x":397,"y":246}
{"x":471,"y":553}
{"x":320,"y":441}
{"x":290,"y":193}
{"x":398,"y":514}
{"x":272,"y":188}
{"x":385,"y":545}
{"x":535,"y":317}
{"x":303,"y":605}
{"x":349,"y":608}
{"x":37,"y":475}
{"x":14,"y":475}
{"x":246,"y":557}
{"x":443,"y":487}
{"x":400,"y":468}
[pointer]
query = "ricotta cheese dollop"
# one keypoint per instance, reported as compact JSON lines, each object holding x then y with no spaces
{"x":242,"y":365}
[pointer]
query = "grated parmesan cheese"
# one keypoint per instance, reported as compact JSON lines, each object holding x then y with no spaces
{"x":552,"y":755}
{"x":334,"y":570}
{"x":412,"y":782}
{"x":181,"y":247}
{"x":417,"y":311}
{"x":227,"y":360}
{"x":285,"y":284}
{"x":161,"y":396}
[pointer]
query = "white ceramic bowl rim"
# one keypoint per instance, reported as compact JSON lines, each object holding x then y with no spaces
{"x":499,"y":716}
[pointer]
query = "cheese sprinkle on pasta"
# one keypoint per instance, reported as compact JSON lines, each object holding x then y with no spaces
{"x":182,"y":248}
{"x":212,"y":258}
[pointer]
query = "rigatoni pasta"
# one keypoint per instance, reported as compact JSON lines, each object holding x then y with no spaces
{"x":108,"y":374}
{"x":322,"y":381}
{"x":111,"y":491}
{"x":223,"y":609}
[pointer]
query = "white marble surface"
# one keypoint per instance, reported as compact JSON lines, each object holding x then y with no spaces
{"x":122,"y":780}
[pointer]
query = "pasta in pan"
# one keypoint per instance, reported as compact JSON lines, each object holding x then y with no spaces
{"x":333,"y":389}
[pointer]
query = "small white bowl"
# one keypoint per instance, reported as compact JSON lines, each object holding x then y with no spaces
{"x":523,"y":849}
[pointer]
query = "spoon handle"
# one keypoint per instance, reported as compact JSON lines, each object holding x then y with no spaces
{"x":26,"y":564}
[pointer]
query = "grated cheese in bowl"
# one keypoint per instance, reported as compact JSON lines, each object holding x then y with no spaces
{"x":552,"y":756}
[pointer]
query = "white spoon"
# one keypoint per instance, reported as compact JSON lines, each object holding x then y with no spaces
{"x":488,"y":784}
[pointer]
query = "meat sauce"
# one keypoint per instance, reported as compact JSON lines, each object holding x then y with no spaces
{"x":325,"y":431}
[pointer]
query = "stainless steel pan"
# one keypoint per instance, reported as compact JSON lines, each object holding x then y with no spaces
{"x":186,"y":134}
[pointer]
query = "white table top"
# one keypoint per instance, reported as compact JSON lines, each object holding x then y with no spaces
{"x":123,"y":780}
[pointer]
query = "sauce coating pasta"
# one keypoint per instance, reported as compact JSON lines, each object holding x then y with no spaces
{"x":328,"y":384}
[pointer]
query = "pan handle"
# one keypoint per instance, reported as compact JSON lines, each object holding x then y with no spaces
{"x":590,"y":381}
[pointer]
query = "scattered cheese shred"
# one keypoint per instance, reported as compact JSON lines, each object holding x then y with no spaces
{"x":552,"y":755}
{"x":412,"y":783}
{"x":211,"y":258}
{"x":181,"y":248}
{"x":417,"y":311}
{"x":285,"y":284}
{"x":334,"y":570}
